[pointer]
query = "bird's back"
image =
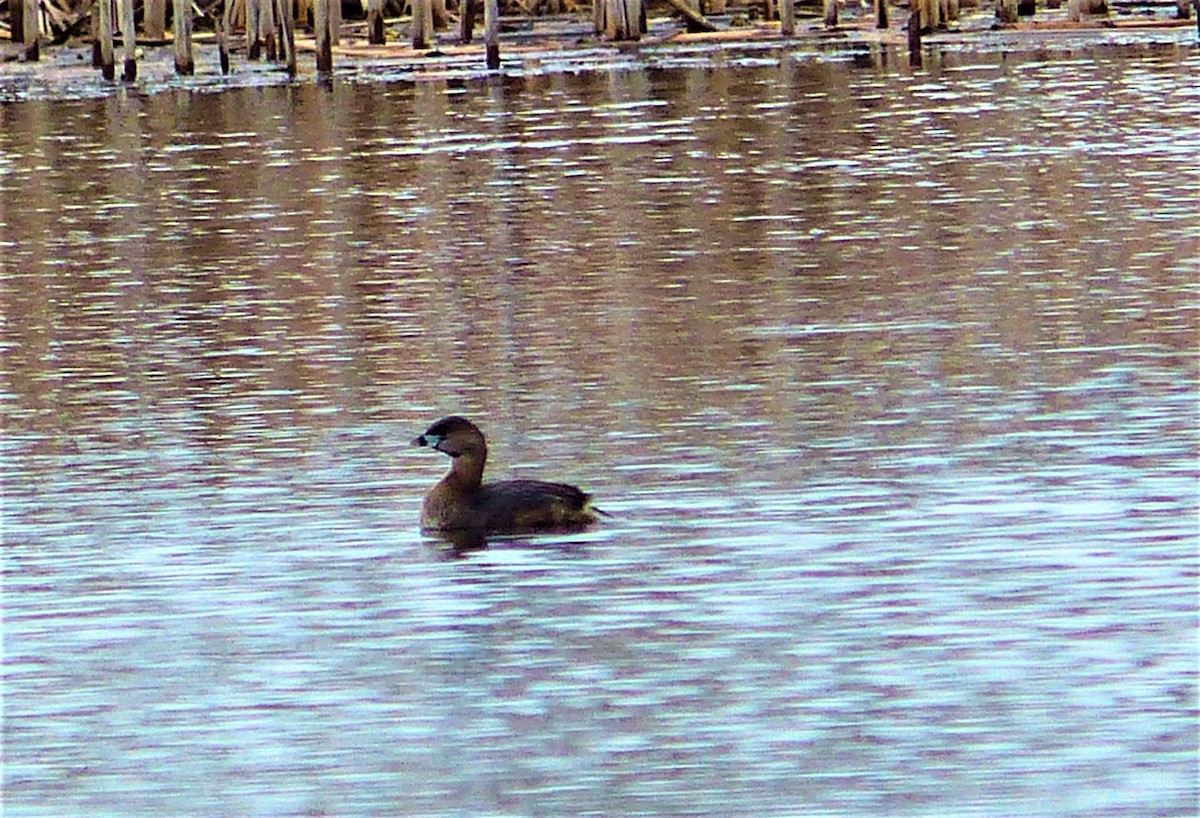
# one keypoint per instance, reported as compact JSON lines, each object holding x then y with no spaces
{"x":531,"y":505}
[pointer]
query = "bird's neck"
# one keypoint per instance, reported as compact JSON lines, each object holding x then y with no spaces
{"x":466,"y":471}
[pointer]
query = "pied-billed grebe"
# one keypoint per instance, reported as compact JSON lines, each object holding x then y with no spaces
{"x":461,"y":501}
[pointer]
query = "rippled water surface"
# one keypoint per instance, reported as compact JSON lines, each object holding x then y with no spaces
{"x":888,"y":379}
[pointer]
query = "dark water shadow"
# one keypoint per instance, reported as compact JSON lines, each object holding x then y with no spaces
{"x":461,"y":544}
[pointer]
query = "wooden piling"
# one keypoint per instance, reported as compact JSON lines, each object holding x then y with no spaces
{"x":16,"y":20}
{"x":269,"y":27}
{"x":107,"y":61}
{"x":154,"y":19}
{"x":831,"y":13}
{"x":787,"y":18}
{"x":254,"y":28}
{"x":128,"y":41}
{"x":222,"y":50}
{"x":303,"y":9}
{"x":181,"y":28}
{"x":422,"y":24}
{"x":94,"y":27}
{"x":376,"y":33}
{"x":29,"y":28}
{"x":466,"y":18}
{"x":491,"y":33}
{"x":223,"y":35}
{"x":624,"y":20}
{"x":321,"y":13}
{"x":286,"y":26}
{"x":914,"y":38}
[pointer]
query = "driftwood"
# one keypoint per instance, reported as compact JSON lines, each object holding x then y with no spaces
{"x":74,"y":26}
{"x":695,"y":20}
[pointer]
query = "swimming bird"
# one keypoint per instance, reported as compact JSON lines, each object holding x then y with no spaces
{"x":461,"y":501}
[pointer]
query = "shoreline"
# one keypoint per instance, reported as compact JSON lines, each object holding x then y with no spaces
{"x":567,"y":43}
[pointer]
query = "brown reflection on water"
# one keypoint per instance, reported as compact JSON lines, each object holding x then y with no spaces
{"x":794,"y":248}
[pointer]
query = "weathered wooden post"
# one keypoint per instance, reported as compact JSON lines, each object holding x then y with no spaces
{"x":29,"y":33}
{"x":787,"y":18}
{"x":108,"y":67}
{"x":286,"y":26}
{"x":321,"y":13}
{"x":182,"y":31}
{"x":466,"y":18}
{"x":16,"y":20}
{"x":881,"y":14}
{"x":623,"y":20}
{"x":223,"y":35}
{"x":491,"y":33}
{"x":128,"y":41}
{"x":376,"y":34}
{"x":32,"y":34}
{"x":268,"y":26}
{"x":831,"y":14}
{"x":154,"y":19}
{"x":914,"y":38}
{"x":422,"y":24}
{"x":253,"y":30}
{"x":1077,"y":8}
{"x":94,"y":27}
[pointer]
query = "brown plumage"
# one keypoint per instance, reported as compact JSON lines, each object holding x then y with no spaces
{"x":461,"y":501}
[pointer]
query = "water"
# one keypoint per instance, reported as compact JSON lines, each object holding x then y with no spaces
{"x":888,"y":380}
